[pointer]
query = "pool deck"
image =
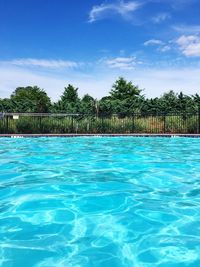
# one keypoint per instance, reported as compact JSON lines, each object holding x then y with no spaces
{"x":100,"y":135}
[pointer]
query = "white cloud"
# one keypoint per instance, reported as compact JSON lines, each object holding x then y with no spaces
{"x":162,"y":46}
{"x":121,"y":8}
{"x":161,"y":17}
{"x":153,"y":42}
{"x":165,"y":48}
{"x":187,"y":29}
{"x":156,"y":81}
{"x":43,"y":63}
{"x":124,"y":63}
{"x":12,"y":77}
{"x":189,"y":45}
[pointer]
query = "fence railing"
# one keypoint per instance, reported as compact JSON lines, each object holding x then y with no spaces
{"x":45,"y":123}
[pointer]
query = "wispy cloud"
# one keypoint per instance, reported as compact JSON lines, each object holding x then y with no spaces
{"x":162,"y":46}
{"x":165,"y":48}
{"x":121,"y":8}
{"x":161,"y":17}
{"x":43,"y":63}
{"x":123,"y":63}
{"x":187,"y":29}
{"x":189,"y":45}
{"x":153,"y":42}
{"x":175,"y":4}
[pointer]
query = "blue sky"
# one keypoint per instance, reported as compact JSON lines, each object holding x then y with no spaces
{"x":154,"y":43}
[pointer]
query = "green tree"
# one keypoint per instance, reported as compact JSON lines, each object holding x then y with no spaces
{"x":196,"y":100}
{"x":6,"y":105}
{"x":69,"y":102}
{"x":123,"y":99}
{"x":88,"y":105}
{"x":30,"y":99}
{"x":106,"y":106}
{"x":151,"y":106}
{"x":122,"y":89}
{"x":70,"y":94}
{"x":185,"y":103}
{"x":126,"y":97}
{"x":169,"y":102}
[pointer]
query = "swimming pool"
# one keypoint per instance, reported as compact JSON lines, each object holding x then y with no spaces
{"x":91,"y":202}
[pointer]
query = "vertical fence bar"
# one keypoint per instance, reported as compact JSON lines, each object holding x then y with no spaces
{"x":198,"y":119}
{"x":164,"y":123}
{"x":6,"y":131}
{"x":133,"y":122}
{"x":72,"y":123}
{"x":40,"y":124}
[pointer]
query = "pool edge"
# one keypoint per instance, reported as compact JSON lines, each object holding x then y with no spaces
{"x":100,"y":135}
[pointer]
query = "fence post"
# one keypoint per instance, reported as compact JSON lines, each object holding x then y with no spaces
{"x":72,"y":124}
{"x":133,"y":122}
{"x":164,"y":125}
{"x":199,"y":119}
{"x":102,"y":124}
{"x":6,"y":125}
{"x":40,"y":124}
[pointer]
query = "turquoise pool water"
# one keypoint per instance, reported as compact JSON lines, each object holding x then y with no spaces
{"x":91,"y":202}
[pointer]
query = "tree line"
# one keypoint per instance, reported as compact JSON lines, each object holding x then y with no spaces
{"x":123,"y":99}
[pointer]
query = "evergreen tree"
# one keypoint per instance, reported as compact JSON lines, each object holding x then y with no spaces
{"x":125,"y":97}
{"x":69,"y":102}
{"x":88,"y":105}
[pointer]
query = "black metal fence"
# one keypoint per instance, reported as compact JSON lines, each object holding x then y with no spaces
{"x":42,"y":123}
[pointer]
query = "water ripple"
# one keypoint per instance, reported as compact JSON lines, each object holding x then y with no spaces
{"x":99,"y":202}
